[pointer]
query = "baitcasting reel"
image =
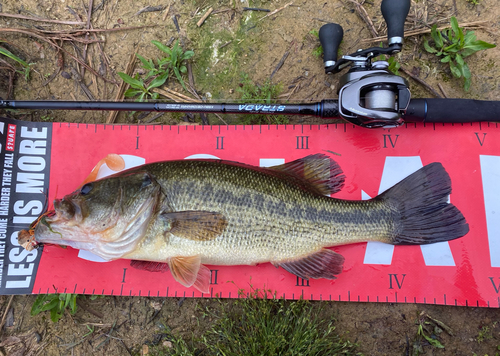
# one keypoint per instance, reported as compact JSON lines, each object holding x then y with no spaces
{"x":370,"y":95}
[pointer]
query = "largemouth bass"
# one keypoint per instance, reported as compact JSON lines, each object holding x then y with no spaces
{"x":184,"y":214}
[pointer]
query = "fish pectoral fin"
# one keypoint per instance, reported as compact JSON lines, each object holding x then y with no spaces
{"x":317,"y":173}
{"x":189,"y":271}
{"x":149,"y":266}
{"x":195,"y":225}
{"x":322,"y":264}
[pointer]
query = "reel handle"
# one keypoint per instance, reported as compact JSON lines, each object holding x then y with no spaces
{"x":330,"y":36}
{"x":395,"y":12}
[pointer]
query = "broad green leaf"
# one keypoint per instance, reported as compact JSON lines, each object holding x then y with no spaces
{"x":467,"y":84}
{"x":428,"y":48}
{"x":469,"y":37}
{"x":459,"y":34}
{"x":183,"y":69}
{"x":452,"y":48}
{"x":446,"y":59}
{"x":158,"y":81}
{"x":55,"y":315}
{"x":155,"y":96}
{"x":433,"y":342}
{"x":131,"y":92}
{"x":454,"y":70}
{"x":162,"y":47}
{"x":459,"y":59}
{"x":475,"y":46}
{"x":145,"y":63}
{"x":187,"y":55}
{"x":134,"y":83}
{"x":466,"y":71}
{"x":436,"y":36}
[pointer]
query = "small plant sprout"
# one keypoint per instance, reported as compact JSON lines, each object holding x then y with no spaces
{"x":175,"y":60}
{"x":26,"y":67}
{"x":138,"y":87}
{"x":56,"y":304}
{"x":454,"y":45}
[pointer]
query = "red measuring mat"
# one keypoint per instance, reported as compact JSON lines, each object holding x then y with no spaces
{"x":56,"y":157}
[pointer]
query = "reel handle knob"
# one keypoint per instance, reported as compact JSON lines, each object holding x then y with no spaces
{"x":330,"y":36}
{"x":395,"y":12}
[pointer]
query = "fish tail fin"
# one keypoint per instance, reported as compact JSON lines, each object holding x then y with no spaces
{"x":424,"y":215}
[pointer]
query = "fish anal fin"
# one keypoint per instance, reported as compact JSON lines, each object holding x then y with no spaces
{"x":318,"y":173}
{"x":202,"y":282}
{"x":149,"y":266}
{"x":321,"y":264}
{"x":196,"y":225}
{"x":185,"y":269}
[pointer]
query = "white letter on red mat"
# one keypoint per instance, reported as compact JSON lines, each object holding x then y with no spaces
{"x":490,"y":173}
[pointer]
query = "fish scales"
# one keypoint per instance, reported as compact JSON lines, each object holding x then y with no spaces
{"x":269,"y":218}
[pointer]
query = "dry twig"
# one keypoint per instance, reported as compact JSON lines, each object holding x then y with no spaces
{"x":204,"y":17}
{"x":77,"y":23}
{"x":121,"y":90}
{"x":364,"y":15}
{"x":276,"y":11}
{"x":421,"y":82}
{"x":475,"y":24}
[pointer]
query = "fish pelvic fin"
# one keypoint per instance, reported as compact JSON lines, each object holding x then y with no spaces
{"x":189,"y":271}
{"x":423,"y":214}
{"x":321,"y":264}
{"x":318,"y":173}
{"x":195,"y":225}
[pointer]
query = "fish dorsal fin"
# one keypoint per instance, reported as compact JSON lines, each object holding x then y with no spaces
{"x":321,"y":264}
{"x":195,"y":225}
{"x":318,"y":173}
{"x":189,"y":271}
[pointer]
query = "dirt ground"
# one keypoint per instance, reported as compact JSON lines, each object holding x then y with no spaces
{"x":229,"y":43}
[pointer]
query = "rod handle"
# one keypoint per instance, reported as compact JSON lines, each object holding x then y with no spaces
{"x":395,"y":12}
{"x":452,"y":111}
{"x":330,"y":36}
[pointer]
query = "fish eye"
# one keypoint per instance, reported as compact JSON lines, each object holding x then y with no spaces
{"x":86,"y":189}
{"x":146,"y":181}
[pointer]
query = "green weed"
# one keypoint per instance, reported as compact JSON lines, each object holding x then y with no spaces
{"x":26,"y":67}
{"x":261,"y":324}
{"x":454,"y":45}
{"x":262,"y":94}
{"x":175,"y":60}
{"x":428,"y":332}
{"x":138,"y":86}
{"x":56,"y":304}
{"x":484,"y":334}
{"x":158,"y":73}
{"x":318,"y":51}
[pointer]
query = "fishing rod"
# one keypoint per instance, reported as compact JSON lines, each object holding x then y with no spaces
{"x":369,"y":95}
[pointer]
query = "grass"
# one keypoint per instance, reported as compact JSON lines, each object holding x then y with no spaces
{"x":26,"y":67}
{"x":56,"y":304}
{"x":261,"y":324}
